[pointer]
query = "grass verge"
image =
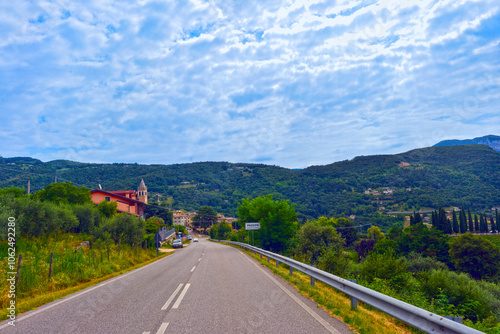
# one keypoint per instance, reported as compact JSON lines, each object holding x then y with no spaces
{"x":72,"y":271}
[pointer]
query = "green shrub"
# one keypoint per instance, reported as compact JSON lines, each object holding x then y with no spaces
{"x":465,"y":295}
{"x":416,"y":263}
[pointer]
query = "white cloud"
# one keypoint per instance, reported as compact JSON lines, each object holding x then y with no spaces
{"x":291,"y":83}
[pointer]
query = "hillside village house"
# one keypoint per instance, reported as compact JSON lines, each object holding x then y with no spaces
{"x":128,"y":201}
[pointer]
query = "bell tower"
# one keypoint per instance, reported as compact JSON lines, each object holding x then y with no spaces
{"x":142,"y":192}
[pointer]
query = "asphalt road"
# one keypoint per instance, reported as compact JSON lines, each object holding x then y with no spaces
{"x":203,"y":288}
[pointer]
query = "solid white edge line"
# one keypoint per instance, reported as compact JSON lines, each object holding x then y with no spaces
{"x":162,"y":328}
{"x":146,"y":332}
{"x":181,"y":296}
{"x":296,"y":299}
{"x":193,"y":269}
{"x":172,"y":297}
{"x":77,"y":294}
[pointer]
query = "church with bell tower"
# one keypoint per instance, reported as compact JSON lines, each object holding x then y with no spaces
{"x":142,"y":192}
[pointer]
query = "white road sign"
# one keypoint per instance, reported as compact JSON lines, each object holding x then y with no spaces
{"x":252,"y":226}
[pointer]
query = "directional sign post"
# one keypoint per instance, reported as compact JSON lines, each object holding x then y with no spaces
{"x":251,"y":227}
{"x":157,"y":242}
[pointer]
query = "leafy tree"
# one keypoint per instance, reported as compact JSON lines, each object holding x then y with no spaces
{"x":88,"y":217}
{"x":64,"y":192}
{"x":277,"y":221}
{"x":375,"y":233}
{"x":205,"y":217}
{"x":153,"y":224}
{"x":124,"y":228}
{"x":152,"y":210}
{"x":222,"y":231}
{"x":36,"y":218}
{"x":313,"y":239}
{"x":364,"y":246}
{"x":394,"y":232}
{"x":428,"y":242}
{"x":475,"y":255}
{"x":15,"y":191}
{"x":107,"y":209}
{"x":347,"y":230}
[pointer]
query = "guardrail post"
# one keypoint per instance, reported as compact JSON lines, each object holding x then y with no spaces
{"x":291,"y":271}
{"x":313,"y":280}
{"x":261,"y":255}
{"x":277,"y":263}
{"x":268,"y":259}
{"x":456,"y":319}
{"x":354,"y":301}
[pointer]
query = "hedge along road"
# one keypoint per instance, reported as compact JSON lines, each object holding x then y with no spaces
{"x":203,"y":288}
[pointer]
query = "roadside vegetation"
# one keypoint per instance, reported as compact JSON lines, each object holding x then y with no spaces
{"x":420,"y":264}
{"x":87,"y":243}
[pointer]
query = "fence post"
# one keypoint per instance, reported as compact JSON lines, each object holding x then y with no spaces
{"x":51,"y":262}
{"x":19,"y":268}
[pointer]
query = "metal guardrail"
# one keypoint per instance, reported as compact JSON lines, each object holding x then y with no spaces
{"x":164,"y":234}
{"x":414,"y":316}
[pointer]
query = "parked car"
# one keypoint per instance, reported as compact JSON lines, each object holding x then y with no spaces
{"x":195,"y":240}
{"x":190,"y":237}
{"x":177,"y":243}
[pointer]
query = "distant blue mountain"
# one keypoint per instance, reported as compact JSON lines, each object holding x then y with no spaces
{"x":491,"y":140}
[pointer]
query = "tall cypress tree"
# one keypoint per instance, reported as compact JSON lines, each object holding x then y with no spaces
{"x":471,"y":223}
{"x":497,"y":220}
{"x":418,"y":218}
{"x":476,"y":224}
{"x":463,"y":221}
{"x":482,"y":224}
{"x":433,"y":219}
{"x":412,"y":220}
{"x":456,"y":229}
{"x":493,"y":227}
{"x":442,"y":220}
{"x":448,"y":229}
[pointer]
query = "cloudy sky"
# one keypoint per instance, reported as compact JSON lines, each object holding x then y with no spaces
{"x":288,"y":83}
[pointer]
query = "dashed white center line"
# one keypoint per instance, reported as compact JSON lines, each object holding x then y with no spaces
{"x":199,"y":259}
{"x":146,"y":332}
{"x":178,"y":301}
{"x":162,"y":328}
{"x":193,"y":269}
{"x":172,"y":297}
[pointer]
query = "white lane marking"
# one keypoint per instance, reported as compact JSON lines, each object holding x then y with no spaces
{"x":199,"y":259}
{"x":78,"y":294}
{"x":172,"y":297}
{"x":162,"y":328}
{"x":146,"y":332}
{"x":297,"y":300}
{"x":178,"y":301}
{"x":193,"y":269}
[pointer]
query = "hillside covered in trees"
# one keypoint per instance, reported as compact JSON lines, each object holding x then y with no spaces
{"x":366,"y":186}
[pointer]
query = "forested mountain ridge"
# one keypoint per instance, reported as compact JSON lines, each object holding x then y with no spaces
{"x":364,"y":186}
